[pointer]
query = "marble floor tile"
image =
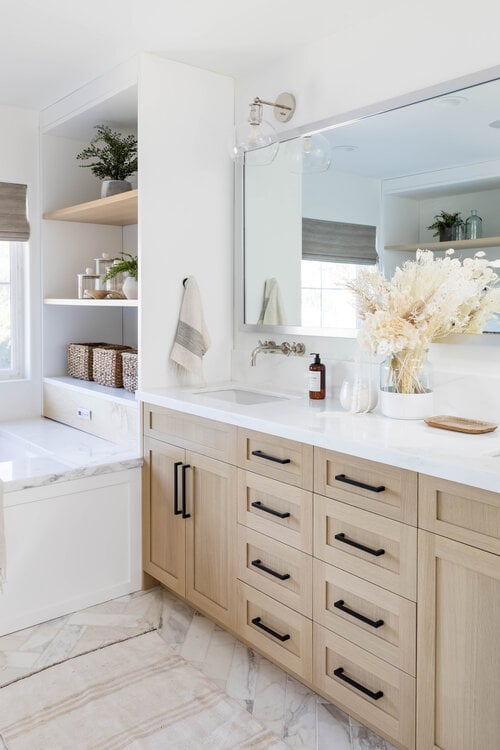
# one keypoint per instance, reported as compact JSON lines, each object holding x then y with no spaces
{"x":363,"y":738}
{"x":333,"y":727}
{"x":219,"y":656}
{"x":61,"y":647}
{"x":242,"y":676}
{"x":197,"y":640}
{"x":300,"y":715}
{"x":270,"y":697}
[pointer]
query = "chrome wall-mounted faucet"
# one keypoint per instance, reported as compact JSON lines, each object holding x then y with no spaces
{"x":271,"y":347}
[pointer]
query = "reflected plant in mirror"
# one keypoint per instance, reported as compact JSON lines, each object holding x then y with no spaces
{"x":392,"y":177}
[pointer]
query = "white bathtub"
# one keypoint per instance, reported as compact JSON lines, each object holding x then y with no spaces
{"x":72,"y":522}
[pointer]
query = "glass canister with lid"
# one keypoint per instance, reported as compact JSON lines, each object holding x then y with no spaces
{"x":102,"y":266}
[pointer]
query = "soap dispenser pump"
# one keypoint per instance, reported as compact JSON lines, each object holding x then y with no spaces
{"x":317,"y":371}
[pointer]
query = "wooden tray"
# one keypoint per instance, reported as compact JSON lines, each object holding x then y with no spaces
{"x":459,"y":424}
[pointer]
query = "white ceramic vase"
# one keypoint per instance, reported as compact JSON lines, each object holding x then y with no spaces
{"x":130,"y":287}
{"x":406,"y":405}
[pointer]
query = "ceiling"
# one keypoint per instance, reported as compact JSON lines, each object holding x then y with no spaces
{"x":53,"y":47}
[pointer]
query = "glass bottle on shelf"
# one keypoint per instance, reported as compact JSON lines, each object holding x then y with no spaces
{"x":473,"y":226}
{"x":458,"y":230}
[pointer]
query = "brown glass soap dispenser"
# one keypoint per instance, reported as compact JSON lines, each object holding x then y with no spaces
{"x":317,"y":378}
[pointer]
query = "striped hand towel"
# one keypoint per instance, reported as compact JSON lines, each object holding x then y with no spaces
{"x":191,"y":339}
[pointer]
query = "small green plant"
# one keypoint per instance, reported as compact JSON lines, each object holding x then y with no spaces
{"x":126,"y":264}
{"x":443,"y":221}
{"x":116,"y":159}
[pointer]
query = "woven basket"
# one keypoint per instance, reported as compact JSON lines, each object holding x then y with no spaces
{"x":107,"y":365}
{"x":80,"y":360}
{"x":129,"y":363}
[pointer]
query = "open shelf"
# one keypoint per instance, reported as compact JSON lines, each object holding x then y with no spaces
{"x":117,"y":210}
{"x":88,"y":386}
{"x":91,"y":302}
{"x":456,"y":245}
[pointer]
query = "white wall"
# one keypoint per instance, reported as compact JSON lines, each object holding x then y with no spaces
{"x":19,"y":163}
{"x":185,"y":210}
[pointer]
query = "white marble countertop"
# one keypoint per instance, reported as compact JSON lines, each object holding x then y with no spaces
{"x":408,"y":444}
{"x":36,"y":452}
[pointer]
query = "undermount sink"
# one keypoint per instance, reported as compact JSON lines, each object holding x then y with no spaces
{"x":241,"y":395}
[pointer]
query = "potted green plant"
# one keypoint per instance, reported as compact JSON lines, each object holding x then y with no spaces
{"x":443,"y":224}
{"x":127,"y":264}
{"x":115,"y":159}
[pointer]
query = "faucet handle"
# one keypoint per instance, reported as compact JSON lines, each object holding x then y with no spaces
{"x":299,"y":349}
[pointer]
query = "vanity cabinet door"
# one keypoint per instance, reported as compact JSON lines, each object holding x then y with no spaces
{"x":163,"y":530}
{"x":458,"y":652}
{"x":210,"y":536}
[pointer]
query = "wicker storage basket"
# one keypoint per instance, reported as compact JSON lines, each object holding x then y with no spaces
{"x":80,"y":360}
{"x":107,"y":365}
{"x":129,"y":362}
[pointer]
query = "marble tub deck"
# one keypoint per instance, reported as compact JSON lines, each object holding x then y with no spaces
{"x":39,"y":452}
{"x":300,"y":717}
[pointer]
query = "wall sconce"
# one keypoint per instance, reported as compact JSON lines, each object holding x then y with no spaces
{"x":309,"y":154}
{"x":256,"y":134}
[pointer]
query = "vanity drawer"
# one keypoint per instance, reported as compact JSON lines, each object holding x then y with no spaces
{"x":343,"y":603}
{"x":276,"y":457}
{"x":373,"y":486}
{"x":389,"y":557}
{"x":289,"y":572}
{"x":276,"y":509}
{"x":212,"y":439}
{"x":388,"y":707}
{"x":467,"y":514}
{"x":280,"y":633}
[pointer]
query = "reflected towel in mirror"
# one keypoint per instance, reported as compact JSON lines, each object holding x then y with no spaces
{"x":273,"y":310}
{"x":192,"y":340}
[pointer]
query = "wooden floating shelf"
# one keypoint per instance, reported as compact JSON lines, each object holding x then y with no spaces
{"x":91,"y":302}
{"x":117,"y":210}
{"x":457,"y":245}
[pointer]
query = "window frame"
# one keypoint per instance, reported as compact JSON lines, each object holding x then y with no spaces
{"x":16,"y":282}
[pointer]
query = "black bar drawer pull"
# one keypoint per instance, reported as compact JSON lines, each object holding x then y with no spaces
{"x":282,"y":576}
{"x":258,"y":622}
{"x":258,"y":504}
{"x":374,"y":623}
{"x":346,"y":480}
{"x":342,"y":538}
{"x":340,"y":674}
{"x":261,"y":454}
{"x":177,"y":512}
{"x":185,"y":467}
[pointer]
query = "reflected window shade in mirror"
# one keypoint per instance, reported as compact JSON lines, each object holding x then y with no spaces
{"x":339,"y":242}
{"x":14,"y":226}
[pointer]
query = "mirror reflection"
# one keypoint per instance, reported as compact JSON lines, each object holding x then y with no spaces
{"x":395,"y":180}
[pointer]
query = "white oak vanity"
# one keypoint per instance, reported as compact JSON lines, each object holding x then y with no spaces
{"x":376,"y":585}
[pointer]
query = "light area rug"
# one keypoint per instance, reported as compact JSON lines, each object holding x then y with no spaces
{"x":137,"y":694}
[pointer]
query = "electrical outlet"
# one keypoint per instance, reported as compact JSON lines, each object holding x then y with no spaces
{"x":84,"y":413}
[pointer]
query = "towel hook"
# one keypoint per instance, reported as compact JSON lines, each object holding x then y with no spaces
{"x":184,"y":282}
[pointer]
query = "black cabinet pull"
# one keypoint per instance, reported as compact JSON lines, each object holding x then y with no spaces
{"x":260,"y":454}
{"x":258,"y":504}
{"x":177,"y":512}
{"x":340,"y":674}
{"x":258,"y":622}
{"x":185,"y":467}
{"x":342,"y":538}
{"x":346,"y":480}
{"x":374,"y":623}
{"x":281,"y":576}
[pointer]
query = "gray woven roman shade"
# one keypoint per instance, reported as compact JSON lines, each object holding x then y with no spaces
{"x":14,"y":226}
{"x":338,"y":242}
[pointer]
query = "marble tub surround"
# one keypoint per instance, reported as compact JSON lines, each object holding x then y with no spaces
{"x":413,"y":445}
{"x":299,"y":716}
{"x":38,"y":452}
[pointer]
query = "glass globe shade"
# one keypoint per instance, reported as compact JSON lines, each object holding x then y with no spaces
{"x":260,"y":140}
{"x":309,"y":154}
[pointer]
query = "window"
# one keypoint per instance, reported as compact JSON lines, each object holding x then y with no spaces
{"x":326,"y":303}
{"x":11,"y":318}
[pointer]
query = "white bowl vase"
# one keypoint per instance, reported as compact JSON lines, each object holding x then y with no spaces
{"x":406,"y":405}
{"x":130,"y":288}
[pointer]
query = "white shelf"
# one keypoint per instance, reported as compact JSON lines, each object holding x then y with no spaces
{"x":109,"y":394}
{"x":456,"y":245}
{"x":91,"y":302}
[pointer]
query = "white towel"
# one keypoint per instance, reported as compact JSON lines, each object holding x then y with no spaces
{"x":191,"y":339}
{"x":3,"y":554}
{"x":273,"y":310}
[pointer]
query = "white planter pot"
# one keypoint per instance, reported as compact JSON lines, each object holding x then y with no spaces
{"x":130,"y":288}
{"x":406,"y":405}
